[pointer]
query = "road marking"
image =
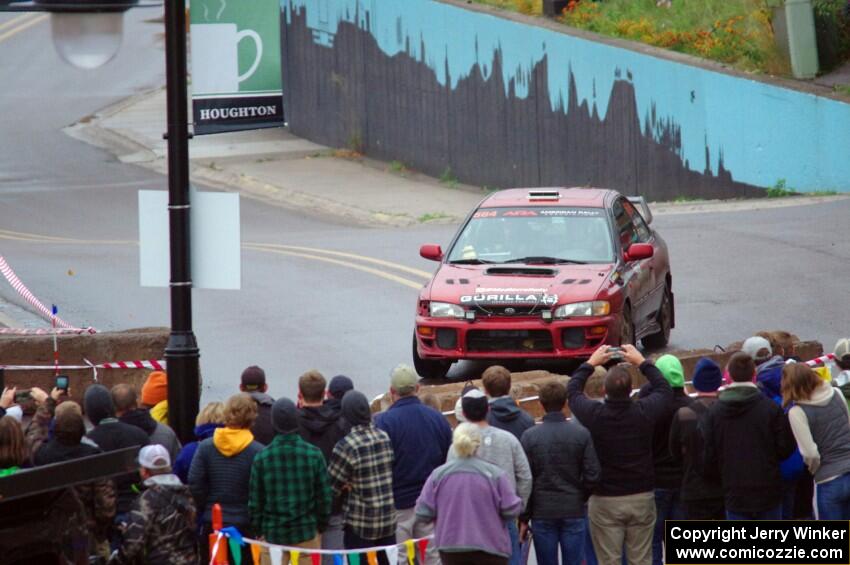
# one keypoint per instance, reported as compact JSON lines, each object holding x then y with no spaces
{"x":398,"y":267}
{"x":25,"y":25}
{"x":17,"y":19}
{"x":311,"y":253}
{"x":370,"y":270}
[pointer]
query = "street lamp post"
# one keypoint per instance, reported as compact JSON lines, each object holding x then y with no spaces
{"x":87,"y":35}
{"x":182,"y":352}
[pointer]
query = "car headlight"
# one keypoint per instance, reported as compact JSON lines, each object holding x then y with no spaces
{"x":594,"y":308}
{"x":445,"y":310}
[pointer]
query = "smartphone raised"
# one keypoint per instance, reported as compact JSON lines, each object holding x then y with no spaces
{"x":62,"y":382}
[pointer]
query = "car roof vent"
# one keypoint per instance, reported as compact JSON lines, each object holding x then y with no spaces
{"x":544,"y":195}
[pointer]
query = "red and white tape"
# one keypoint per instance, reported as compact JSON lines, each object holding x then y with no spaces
{"x":25,"y":293}
{"x":820,"y":360}
{"x":153,"y":364}
{"x":46,"y":331}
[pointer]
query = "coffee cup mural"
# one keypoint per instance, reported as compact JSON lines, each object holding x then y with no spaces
{"x":218,"y":44}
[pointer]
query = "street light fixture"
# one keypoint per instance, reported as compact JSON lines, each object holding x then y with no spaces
{"x":87,"y":34}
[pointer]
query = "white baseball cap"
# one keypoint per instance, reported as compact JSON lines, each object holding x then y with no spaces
{"x":154,"y":457}
{"x":755,"y":345}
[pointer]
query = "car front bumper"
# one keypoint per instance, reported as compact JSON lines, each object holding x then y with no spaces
{"x":514,"y":338}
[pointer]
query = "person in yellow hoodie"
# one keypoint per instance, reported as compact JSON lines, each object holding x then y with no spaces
{"x":155,"y":396}
{"x":221,"y":471}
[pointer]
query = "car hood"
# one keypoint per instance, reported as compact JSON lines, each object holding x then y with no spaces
{"x":517,"y":283}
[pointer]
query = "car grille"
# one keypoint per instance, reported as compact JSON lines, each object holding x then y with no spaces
{"x":508,"y":311}
{"x":509,"y":340}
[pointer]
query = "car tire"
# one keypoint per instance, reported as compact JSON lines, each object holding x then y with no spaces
{"x":429,"y":368}
{"x":627,"y":327}
{"x":661,"y":338}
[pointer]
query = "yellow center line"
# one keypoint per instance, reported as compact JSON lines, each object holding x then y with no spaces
{"x":410,"y":270}
{"x":16,"y":20}
{"x":27,"y":24}
{"x":370,"y":270}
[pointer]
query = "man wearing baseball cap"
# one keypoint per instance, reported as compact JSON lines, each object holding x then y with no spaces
{"x":420,"y":439}
{"x":160,"y":529}
{"x":254,"y":384}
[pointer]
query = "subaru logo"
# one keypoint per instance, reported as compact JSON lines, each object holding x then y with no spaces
{"x":510,"y":311}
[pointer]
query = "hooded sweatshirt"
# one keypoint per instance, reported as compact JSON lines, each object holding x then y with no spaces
{"x":157,"y":433}
{"x":220,"y":472}
{"x":668,"y":469}
{"x":184,"y":459}
{"x":769,"y":380}
{"x":746,"y":437}
{"x":821,"y":426}
{"x":322,"y":426}
{"x":506,"y":415}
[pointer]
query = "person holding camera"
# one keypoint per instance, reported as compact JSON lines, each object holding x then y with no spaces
{"x":622,"y":506}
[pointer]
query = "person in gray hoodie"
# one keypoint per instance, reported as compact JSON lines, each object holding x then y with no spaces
{"x":127,"y":410}
{"x":502,"y":449}
{"x":820,"y":421}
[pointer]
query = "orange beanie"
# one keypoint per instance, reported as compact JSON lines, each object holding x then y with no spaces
{"x":155,"y":389}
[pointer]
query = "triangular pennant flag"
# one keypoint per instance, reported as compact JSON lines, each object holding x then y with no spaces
{"x":423,"y":543}
{"x":256,"y":550}
{"x":235,"y":551}
{"x":353,"y":559}
{"x":276,"y":555}
{"x":293,"y":556}
{"x":411,"y":551}
{"x":339,"y":559}
{"x":372,"y":557}
{"x":392,"y":555}
{"x":316,"y":558}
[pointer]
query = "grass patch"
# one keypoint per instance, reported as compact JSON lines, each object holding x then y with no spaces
{"x":448,"y":178}
{"x":822,"y":193}
{"x":780,"y":190}
{"x":842,"y":89}
{"x":398,"y":168}
{"x":685,"y":198}
{"x":735,"y":32}
{"x":431,"y":217}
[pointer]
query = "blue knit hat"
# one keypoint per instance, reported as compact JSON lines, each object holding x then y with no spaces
{"x":707,"y":375}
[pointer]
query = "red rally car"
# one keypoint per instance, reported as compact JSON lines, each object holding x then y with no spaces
{"x":545,"y":274}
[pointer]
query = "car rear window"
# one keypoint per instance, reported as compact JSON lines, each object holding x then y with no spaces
{"x":499,"y":235}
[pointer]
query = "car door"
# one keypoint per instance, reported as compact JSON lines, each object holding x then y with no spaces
{"x":638,"y":276}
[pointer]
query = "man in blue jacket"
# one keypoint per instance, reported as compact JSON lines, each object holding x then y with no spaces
{"x":420,"y":438}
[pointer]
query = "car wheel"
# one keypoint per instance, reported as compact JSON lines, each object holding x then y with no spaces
{"x":627,"y":327}
{"x":429,"y":368}
{"x":665,"y":321}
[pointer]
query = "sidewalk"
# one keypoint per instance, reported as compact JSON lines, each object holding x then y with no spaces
{"x":277,"y":167}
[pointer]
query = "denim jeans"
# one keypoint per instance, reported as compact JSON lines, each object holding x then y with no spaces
{"x":667,"y":507}
{"x":568,"y":533}
{"x":771,"y":514}
{"x":833,"y":498}
{"x":516,"y":554}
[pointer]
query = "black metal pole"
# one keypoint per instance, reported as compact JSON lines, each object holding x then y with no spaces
{"x":182,"y":352}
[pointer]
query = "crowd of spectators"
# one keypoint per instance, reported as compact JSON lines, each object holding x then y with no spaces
{"x":758,"y":439}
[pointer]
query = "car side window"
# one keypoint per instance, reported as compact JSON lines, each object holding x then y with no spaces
{"x":642,"y":230}
{"x":625,"y":227}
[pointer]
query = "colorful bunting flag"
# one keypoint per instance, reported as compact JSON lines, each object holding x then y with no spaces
{"x":235,"y":551}
{"x":423,"y":543}
{"x":372,"y":557}
{"x":256,"y":550}
{"x":339,"y":559}
{"x":293,"y":556}
{"x":411,"y":551}
{"x":392,"y":555}
{"x":276,"y":555}
{"x":353,"y":559}
{"x":316,"y":558}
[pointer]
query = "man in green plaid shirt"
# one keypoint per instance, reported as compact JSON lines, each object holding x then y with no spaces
{"x":361,"y":466}
{"x":290,"y":499}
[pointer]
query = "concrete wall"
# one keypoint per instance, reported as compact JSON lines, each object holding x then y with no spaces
{"x":140,"y":344}
{"x":507,"y":100}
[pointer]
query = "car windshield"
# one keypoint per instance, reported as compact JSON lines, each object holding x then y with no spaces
{"x":535,"y":235}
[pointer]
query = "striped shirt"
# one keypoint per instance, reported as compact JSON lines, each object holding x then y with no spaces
{"x":363,"y":462}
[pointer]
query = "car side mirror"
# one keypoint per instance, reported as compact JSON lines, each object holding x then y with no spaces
{"x":431,"y":251}
{"x":638,"y":251}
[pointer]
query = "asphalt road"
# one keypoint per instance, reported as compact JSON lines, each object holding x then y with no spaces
{"x":734,"y":273}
